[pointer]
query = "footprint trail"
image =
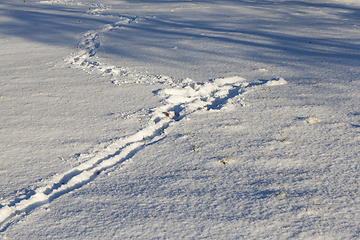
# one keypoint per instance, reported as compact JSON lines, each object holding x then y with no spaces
{"x":85,"y":58}
{"x":179,"y":100}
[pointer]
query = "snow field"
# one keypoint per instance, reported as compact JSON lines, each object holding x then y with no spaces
{"x":187,"y":99}
{"x":159,"y":157}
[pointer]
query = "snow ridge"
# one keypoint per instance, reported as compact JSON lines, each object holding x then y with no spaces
{"x":179,"y":102}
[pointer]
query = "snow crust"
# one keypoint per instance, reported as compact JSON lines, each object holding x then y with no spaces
{"x":171,"y":120}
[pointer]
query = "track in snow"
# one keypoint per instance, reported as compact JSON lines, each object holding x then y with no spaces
{"x":180,"y":100}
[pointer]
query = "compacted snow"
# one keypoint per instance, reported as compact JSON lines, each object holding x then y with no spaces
{"x":179,"y":119}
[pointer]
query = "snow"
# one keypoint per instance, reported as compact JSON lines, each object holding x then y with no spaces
{"x":169,"y":120}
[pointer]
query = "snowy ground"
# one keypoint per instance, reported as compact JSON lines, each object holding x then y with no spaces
{"x":179,"y":119}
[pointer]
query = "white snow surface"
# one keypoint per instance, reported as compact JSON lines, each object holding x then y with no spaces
{"x":195,"y":119}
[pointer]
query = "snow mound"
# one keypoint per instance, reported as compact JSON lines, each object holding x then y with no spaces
{"x":276,"y":82}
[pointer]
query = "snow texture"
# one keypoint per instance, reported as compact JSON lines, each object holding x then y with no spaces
{"x":171,"y":120}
